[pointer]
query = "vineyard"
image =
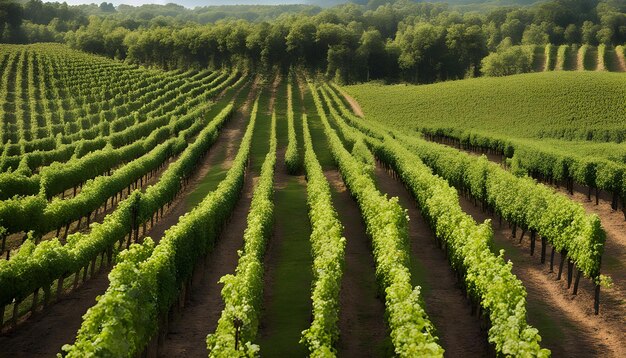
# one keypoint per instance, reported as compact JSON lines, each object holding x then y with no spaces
{"x":229,"y":213}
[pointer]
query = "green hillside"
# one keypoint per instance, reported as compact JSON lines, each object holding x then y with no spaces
{"x":561,"y":105}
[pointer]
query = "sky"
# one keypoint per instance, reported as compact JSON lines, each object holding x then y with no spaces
{"x":186,"y":3}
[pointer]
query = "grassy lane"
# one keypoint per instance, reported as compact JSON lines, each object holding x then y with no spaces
{"x":287,"y":302}
{"x":260,"y":140}
{"x":288,"y":279}
{"x":298,"y":110}
{"x":219,"y":167}
{"x":317,"y":133}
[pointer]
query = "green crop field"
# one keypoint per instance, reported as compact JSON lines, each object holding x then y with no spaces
{"x":371,"y":179}
{"x":563,"y":127}
{"x":588,"y":106}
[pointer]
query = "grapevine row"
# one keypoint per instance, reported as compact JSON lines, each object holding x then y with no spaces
{"x":146,"y":282}
{"x":18,"y":214}
{"x":93,"y":106}
{"x":533,"y":207}
{"x":25,"y":164}
{"x":487,"y":277}
{"x":93,"y":120}
{"x":548,"y":163}
{"x":468,"y":247}
{"x":292,"y":157}
{"x":412,"y":333}
{"x":35,"y":267}
{"x":58,"y":177}
{"x":328,"y":247}
{"x":243,"y":292}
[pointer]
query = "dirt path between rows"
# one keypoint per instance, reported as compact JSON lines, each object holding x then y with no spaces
{"x":44,"y":335}
{"x":363,"y":331}
{"x":600,"y":63}
{"x":620,"y":61}
{"x":580,"y":61}
{"x":459,"y":332}
{"x":356,"y":107}
{"x":612,"y":300}
{"x":186,"y":336}
{"x":566,"y":322}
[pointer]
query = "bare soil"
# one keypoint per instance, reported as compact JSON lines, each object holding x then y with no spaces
{"x":580,"y":61}
{"x":356,"y":107}
{"x":44,"y":335}
{"x":363,"y":331}
{"x":620,"y":62}
{"x":600,"y":64}
{"x":459,"y":332}
{"x":614,"y":257}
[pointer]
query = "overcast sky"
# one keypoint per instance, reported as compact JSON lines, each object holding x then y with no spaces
{"x":187,"y":3}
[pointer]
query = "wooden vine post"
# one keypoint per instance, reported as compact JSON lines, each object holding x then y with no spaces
{"x":237,"y":323}
{"x":596,"y":300}
{"x":60,"y":286}
{"x":2,"y":308}
{"x":3,"y":234}
{"x":563,"y":254}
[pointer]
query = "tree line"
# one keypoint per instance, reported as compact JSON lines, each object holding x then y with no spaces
{"x":391,"y":40}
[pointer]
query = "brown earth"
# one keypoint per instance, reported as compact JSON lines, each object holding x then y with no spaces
{"x":45,"y":334}
{"x":620,"y":61}
{"x":580,"y":61}
{"x":356,"y":107}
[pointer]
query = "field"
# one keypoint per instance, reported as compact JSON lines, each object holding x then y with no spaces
{"x":228,"y":213}
{"x":561,"y":127}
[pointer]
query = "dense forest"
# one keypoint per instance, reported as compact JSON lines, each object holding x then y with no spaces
{"x":390,"y":40}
